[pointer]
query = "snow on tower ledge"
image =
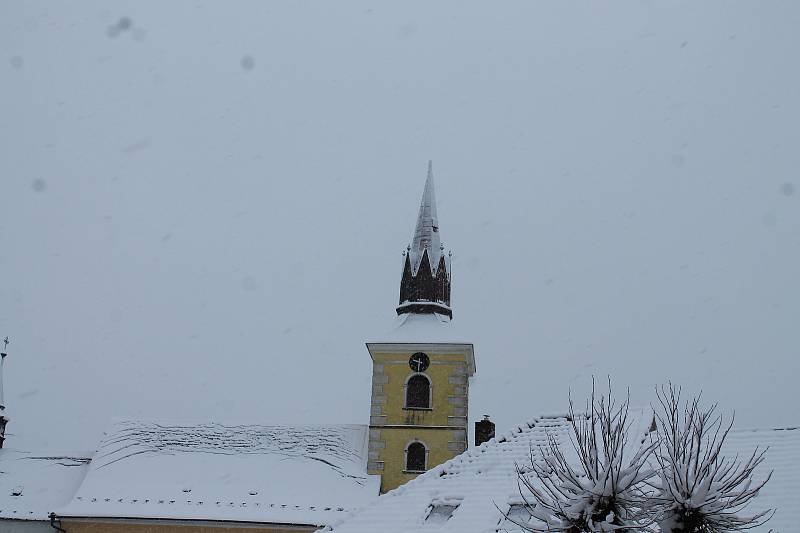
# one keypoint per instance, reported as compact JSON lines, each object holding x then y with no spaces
{"x":425,"y":285}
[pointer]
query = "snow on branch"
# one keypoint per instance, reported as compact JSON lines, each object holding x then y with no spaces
{"x":602,"y":488}
{"x":701,"y":490}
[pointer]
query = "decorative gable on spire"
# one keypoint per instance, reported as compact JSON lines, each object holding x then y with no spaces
{"x":425,"y":285}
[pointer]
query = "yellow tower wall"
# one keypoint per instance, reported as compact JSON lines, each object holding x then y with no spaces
{"x":442,"y":428}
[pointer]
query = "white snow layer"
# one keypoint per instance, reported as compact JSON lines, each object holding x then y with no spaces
{"x":250,"y":473}
{"x":429,"y":328}
{"x":32,"y":485}
{"x":482,"y":483}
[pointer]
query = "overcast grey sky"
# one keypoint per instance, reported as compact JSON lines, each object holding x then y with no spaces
{"x":204,"y":203}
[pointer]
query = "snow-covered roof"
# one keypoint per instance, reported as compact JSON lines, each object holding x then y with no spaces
{"x":243,"y":472}
{"x":470,"y":492}
{"x":430,"y":332}
{"x":782,"y":492}
{"x":477,"y":482}
{"x":427,"y":327}
{"x":32,"y":485}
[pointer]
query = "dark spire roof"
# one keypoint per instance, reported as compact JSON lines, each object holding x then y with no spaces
{"x":425,"y":285}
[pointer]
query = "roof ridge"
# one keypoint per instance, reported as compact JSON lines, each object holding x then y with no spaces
{"x":755,"y":429}
{"x":231,"y":422}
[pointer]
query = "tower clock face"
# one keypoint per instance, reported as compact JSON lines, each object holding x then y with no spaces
{"x":419,"y":362}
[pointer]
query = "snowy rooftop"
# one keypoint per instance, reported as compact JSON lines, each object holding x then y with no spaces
{"x":782,"y":492}
{"x":431,"y":327}
{"x":474,"y":481}
{"x":249,"y":473}
{"x":32,"y":485}
{"x":468,"y":493}
{"x":436,"y":331}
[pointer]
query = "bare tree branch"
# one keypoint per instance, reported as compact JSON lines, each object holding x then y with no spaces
{"x":600,"y":491}
{"x":700,"y":490}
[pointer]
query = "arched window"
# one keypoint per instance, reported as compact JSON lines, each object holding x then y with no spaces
{"x":415,"y":457}
{"x":418,"y":392}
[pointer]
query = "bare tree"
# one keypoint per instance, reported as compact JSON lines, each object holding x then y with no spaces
{"x":700,"y":490}
{"x":600,"y":491}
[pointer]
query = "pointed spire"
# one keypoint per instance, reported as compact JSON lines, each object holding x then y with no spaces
{"x":425,"y":287}
{"x":426,"y":234}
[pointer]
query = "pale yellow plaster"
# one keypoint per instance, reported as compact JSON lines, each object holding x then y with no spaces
{"x":440,"y":428}
{"x":435,"y":440}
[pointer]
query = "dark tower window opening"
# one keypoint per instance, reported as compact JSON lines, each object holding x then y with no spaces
{"x":416,"y":456}
{"x":418,"y":392}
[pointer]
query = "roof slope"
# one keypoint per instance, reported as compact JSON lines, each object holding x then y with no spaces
{"x":476,"y":480}
{"x":483,"y":483}
{"x":782,"y":492}
{"x":250,"y":473}
{"x":32,"y":485}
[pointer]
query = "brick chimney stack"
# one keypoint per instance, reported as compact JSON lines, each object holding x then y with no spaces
{"x":484,"y":430}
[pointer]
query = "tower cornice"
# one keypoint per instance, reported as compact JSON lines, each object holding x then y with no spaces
{"x":432,"y":348}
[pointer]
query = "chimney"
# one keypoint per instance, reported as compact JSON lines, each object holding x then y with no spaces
{"x":484,"y":430}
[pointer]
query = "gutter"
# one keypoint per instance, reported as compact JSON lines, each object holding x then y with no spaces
{"x":232,"y":524}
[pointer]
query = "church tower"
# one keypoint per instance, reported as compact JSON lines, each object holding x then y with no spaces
{"x":421,"y":371}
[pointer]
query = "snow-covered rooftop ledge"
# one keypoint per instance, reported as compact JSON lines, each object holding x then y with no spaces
{"x":226,"y":516}
{"x":210,"y":523}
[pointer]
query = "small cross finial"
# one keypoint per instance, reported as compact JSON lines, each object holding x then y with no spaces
{"x":6,"y":342}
